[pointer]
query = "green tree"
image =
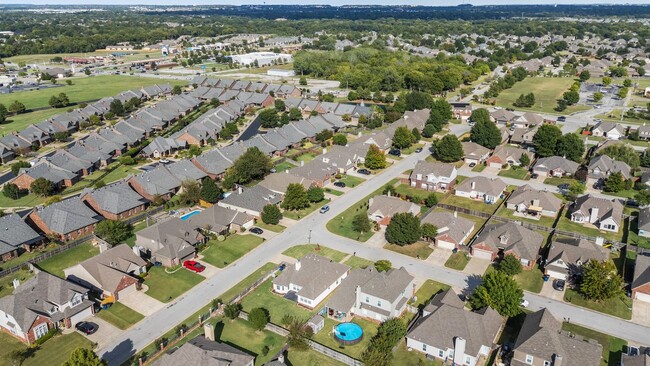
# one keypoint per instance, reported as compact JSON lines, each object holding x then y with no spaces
{"x":280,"y":106}
{"x":61,"y":136}
{"x":571,"y":97}
{"x":627,"y":83}
{"x":442,"y":107}
{"x":403,"y":138}
{"x":295,"y":114}
{"x":41,"y":187}
{"x":375,"y":159}
{"x":622,"y":93}
{"x":416,"y":135}
{"x":3,"y":113}
{"x":231,"y":311}
{"x":641,"y":197}
{"x":295,"y":198}
{"x":315,"y":194}
{"x":449,"y":149}
{"x":429,"y":130}
{"x":361,"y":223}
{"x":303,"y":80}
{"x":575,"y":189}
{"x":389,"y":334}
{"x":176,"y":90}
{"x":194,"y":150}
{"x":383,"y":265}
{"x":271,"y":214}
{"x":210,"y":192}
{"x":584,"y":75}
{"x":12,"y":191}
{"x":340,"y":139}
{"x":614,"y":183}
{"x":299,"y":332}
{"x":600,"y":280}
{"x":418,"y":100}
{"x":15,"y":167}
{"x":524,"y":160}
{"x":545,"y":140}
{"x":510,"y":265}
{"x":403,"y":229}
{"x":252,"y":165}
{"x":83,"y":357}
{"x":429,"y":231}
{"x":607,"y":80}
{"x":500,"y":292}
{"x":258,"y":317}
{"x":116,"y":107}
{"x":436,"y":122}
{"x":431,"y":200}
{"x":597,"y":96}
{"x":190,"y":192}
{"x":622,"y":152}
{"x":486,"y":134}
{"x":324,"y":135}
{"x":113,"y":231}
{"x":269,"y":118}
{"x":17,"y":107}
{"x":571,"y":146}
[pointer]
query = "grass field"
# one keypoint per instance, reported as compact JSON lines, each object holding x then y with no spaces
{"x":222,"y":253}
{"x":547,"y":91}
{"x":45,"y":58}
{"x":167,"y":286}
{"x":276,"y":305}
{"x":428,"y":289}
{"x":612,"y":346}
{"x":300,"y":251}
{"x":20,"y":121}
{"x":6,"y":282}
{"x":120,"y":315}
{"x":620,"y":306}
{"x":53,"y":352}
{"x":457,"y":261}
{"x":419,"y":249}
{"x":358,"y":262}
{"x":29,"y":200}
{"x":56,"y":264}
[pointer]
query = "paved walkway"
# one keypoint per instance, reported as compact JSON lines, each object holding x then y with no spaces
{"x":641,"y":312}
{"x":439,"y":257}
{"x":141,"y":302}
{"x":477,"y":266}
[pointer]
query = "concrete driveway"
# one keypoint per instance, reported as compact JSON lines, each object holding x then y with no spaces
{"x":439,"y":257}
{"x":641,"y":312}
{"x":209,"y":271}
{"x":141,"y":302}
{"x":550,"y":292}
{"x":378,"y":240}
{"x":104,"y":334}
{"x":476,"y":266}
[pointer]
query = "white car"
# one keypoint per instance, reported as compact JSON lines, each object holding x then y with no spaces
{"x":164,"y":161}
{"x":524,"y":303}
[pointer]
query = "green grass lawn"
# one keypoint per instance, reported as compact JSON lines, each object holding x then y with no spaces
{"x":351,"y":181}
{"x":566,"y":224}
{"x":428,"y":289}
{"x":300,"y":251}
{"x":299,"y":214}
{"x":165,"y":286}
{"x":29,"y":200}
{"x":531,"y":280}
{"x":120,"y":315}
{"x":479,"y":168}
{"x":6,"y":282}
{"x":333,"y":192}
{"x":555,"y":181}
{"x":411,"y":149}
{"x":45,"y":57}
{"x":19,"y":122}
{"x":118,"y":173}
{"x":544,"y":220}
{"x":275,"y":228}
{"x":222,"y":253}
{"x":276,"y":305}
{"x":243,"y":284}
{"x":281,"y":167}
{"x":27,"y":256}
{"x":309,"y":358}
{"x":457,"y":261}
{"x":53,"y":352}
{"x":420,"y":248}
{"x":547,"y":91}
{"x":612,"y":346}
{"x":419,"y":194}
{"x":620,"y":306}
{"x":358,"y":262}
{"x":56,"y":264}
{"x":402,"y":356}
{"x":520,"y":173}
{"x":325,"y":337}
{"x":471,"y":204}
{"x":633,"y":234}
{"x":306,"y":157}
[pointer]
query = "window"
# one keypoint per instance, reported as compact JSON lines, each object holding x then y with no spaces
{"x":379,"y":303}
{"x":441,"y":354}
{"x":367,"y":299}
{"x":468,"y":360}
{"x":76,"y":300}
{"x":609,"y":227}
{"x":424,"y":347}
{"x":40,"y":330}
{"x":529,"y":359}
{"x":547,"y":363}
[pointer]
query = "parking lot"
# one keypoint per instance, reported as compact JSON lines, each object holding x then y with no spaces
{"x":610,"y":98}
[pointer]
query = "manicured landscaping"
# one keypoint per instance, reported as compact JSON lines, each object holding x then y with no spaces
{"x":351,"y":181}
{"x":471,"y":204}
{"x":277,"y":305}
{"x":285,"y":165}
{"x":325,"y":337}
{"x":479,"y":168}
{"x":620,"y":306}
{"x":358,"y":262}
{"x":29,"y":200}
{"x":547,"y":91}
{"x":53,"y":352}
{"x":275,"y":228}
{"x":612,"y":346}
{"x":120,"y":315}
{"x":457,"y":261}
{"x":137,"y":227}
{"x":555,"y":181}
{"x":310,"y":358}
{"x":300,"y":251}
{"x":299,"y":214}
{"x":520,"y":173}
{"x":531,"y":280}
{"x":56,"y":264}
{"x":165,"y":286}
{"x":567,"y":225}
{"x":508,"y":213}
{"x":419,"y":249}
{"x":222,"y":253}
{"x":428,"y":289}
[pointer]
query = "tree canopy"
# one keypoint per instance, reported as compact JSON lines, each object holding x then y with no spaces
{"x":375,"y":159}
{"x":295,"y":197}
{"x":113,"y":231}
{"x":600,"y":280}
{"x":449,"y":149}
{"x":403,"y":229}
{"x":500,"y":292}
{"x":546,"y":139}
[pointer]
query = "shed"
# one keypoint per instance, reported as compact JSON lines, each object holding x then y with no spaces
{"x":316,"y":323}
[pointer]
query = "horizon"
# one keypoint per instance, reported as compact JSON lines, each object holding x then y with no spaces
{"x":450,"y":3}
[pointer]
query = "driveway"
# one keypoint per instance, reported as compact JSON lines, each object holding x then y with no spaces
{"x":641,"y":312}
{"x":141,"y":302}
{"x":550,"y":292}
{"x":209,"y":271}
{"x":476,"y":266}
{"x":439,"y":257}
{"x":378,"y":240}
{"x":104,"y":334}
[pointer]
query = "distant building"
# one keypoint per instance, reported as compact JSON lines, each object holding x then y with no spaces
{"x":282,"y":73}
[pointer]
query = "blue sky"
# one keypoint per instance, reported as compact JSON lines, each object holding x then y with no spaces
{"x":330,"y":2}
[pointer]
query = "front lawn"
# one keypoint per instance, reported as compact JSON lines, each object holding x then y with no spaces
{"x":276,"y":305}
{"x":333,"y":192}
{"x":275,"y":228}
{"x":165,"y":286}
{"x":351,"y":181}
{"x":222,"y":253}
{"x":612,"y":346}
{"x":419,"y":249}
{"x":620,"y":306}
{"x":120,"y":315}
{"x":419,"y":194}
{"x":411,"y":149}
{"x":299,"y":214}
{"x":555,"y":181}
{"x":29,"y":200}
{"x":520,"y":173}
{"x":543,"y":220}
{"x":306,"y":157}
{"x":427,"y":291}
{"x":567,"y":225}
{"x":56,"y":264}
{"x":326,"y":338}
{"x":457,"y":261}
{"x":531,"y":280}
{"x":300,"y":251}
{"x":358,"y":262}
{"x":55,"y":351}
{"x":471,"y":204}
{"x":479,"y":168}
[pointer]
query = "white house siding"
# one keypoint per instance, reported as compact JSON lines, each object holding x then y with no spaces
{"x":312,"y":303}
{"x":445,"y":244}
{"x":81,"y":316}
{"x":463,"y":194}
{"x":609,"y":221}
{"x":5,"y":319}
{"x":430,"y":350}
{"x":240,"y":209}
{"x":496,"y":165}
{"x":642,"y":297}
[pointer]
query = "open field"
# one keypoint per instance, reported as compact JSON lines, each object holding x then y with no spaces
{"x":547,"y":91}
{"x":45,"y":58}
{"x":20,"y":121}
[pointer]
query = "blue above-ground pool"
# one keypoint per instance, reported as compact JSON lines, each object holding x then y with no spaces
{"x":190,"y":214}
{"x":348,"y":333}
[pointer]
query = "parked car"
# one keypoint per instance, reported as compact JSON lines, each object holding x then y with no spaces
{"x":395,"y":152}
{"x":164,"y":161}
{"x":524,"y":303}
{"x":418,"y":150}
{"x":86,"y":328}
{"x":194,"y":266}
{"x":559,"y":285}
{"x":534,"y":176}
{"x":363,"y":171}
{"x":282,"y":267}
{"x":339,"y":184}
{"x":561,"y":119}
{"x":256,"y":230}
{"x":324,"y":209}
{"x":471,"y":165}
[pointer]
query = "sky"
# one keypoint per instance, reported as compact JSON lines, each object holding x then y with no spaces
{"x":311,"y":2}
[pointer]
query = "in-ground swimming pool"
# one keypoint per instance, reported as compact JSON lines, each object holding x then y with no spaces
{"x":190,"y":214}
{"x":348,"y":333}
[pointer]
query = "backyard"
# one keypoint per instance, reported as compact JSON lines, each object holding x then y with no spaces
{"x":57,"y":263}
{"x":419,"y":194}
{"x":120,"y":315}
{"x":6,"y":282}
{"x":222,"y":253}
{"x":165,"y":286}
{"x":325,"y":337}
{"x":567,"y":225}
{"x":612,"y":346}
{"x":543,"y":220}
{"x":547,"y":91}
{"x":276,"y":305}
{"x":55,"y":351}
{"x":471,"y":204}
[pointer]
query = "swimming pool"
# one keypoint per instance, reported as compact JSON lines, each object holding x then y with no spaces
{"x":348,"y":333}
{"x":190,"y":214}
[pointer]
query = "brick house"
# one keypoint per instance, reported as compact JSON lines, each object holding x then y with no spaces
{"x":65,"y":220}
{"x":115,"y":201}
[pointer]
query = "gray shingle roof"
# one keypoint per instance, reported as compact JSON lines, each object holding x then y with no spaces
{"x":555,"y":163}
{"x":455,"y":227}
{"x":491,"y":186}
{"x":572,"y":251}
{"x":530,"y":196}
{"x":219,"y":218}
{"x":15,"y":232}
{"x":117,"y":197}
{"x":68,"y":215}
{"x":523,"y":242}
{"x":644,"y":219}
{"x":253,"y":198}
{"x":316,"y":274}
{"x":641,"y":271}
{"x":602,"y":166}
{"x":201,"y":351}
{"x":606,"y":208}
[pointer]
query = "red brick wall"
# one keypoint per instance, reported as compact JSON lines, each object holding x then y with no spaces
{"x":642,"y":289}
{"x":125,"y":282}
{"x":40,"y":320}
{"x":38,"y":222}
{"x":89,"y":200}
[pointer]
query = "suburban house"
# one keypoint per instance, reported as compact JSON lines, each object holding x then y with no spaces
{"x":371,"y":294}
{"x":523,"y":135}
{"x":533,"y":203}
{"x":433,"y":176}
{"x":44,"y":169}
{"x":163,"y":146}
{"x":65,"y":220}
{"x":159,"y":182}
{"x":504,"y":154}
{"x":453,"y":231}
{"x":461,"y":110}
{"x":116,"y":201}
{"x":610,"y":130}
{"x":644,"y":132}
{"x":251,"y":200}
{"x":449,"y":332}
{"x":503,"y":117}
{"x":542,"y":342}
{"x":170,"y":242}
{"x":278,"y":182}
{"x":113,"y":272}
{"x":641,"y":282}
{"x":567,"y":256}
{"x":382,"y":208}
{"x":602,"y":166}
{"x":310,"y":280}
{"x":221,"y":220}
{"x":16,"y":237}
{"x":205,"y":351}
{"x":499,"y":240}
{"x":474,"y":153}
{"x":602,"y":213}
{"x":489,"y":190}
{"x":643,"y":222}
{"x":555,"y":166}
{"x":43,"y":303}
{"x":528,"y":119}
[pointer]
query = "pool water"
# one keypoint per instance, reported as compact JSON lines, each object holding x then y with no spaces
{"x":348,"y":332}
{"x":190,"y":214}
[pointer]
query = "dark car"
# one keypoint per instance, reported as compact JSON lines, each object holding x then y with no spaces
{"x":363,"y":171}
{"x":471,"y":165}
{"x":395,"y":152}
{"x":194,"y":266}
{"x":559,"y":285}
{"x":339,"y":184}
{"x":256,"y":230}
{"x":534,"y":175}
{"x":561,"y":119}
{"x":87,"y":328}
{"x":564,"y":186}
{"x":418,"y":150}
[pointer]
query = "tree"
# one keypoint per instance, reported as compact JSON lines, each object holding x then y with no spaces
{"x":622,"y":152}
{"x":607,"y":80}
{"x":41,"y":187}
{"x":431,"y":200}
{"x":480,"y":114}
{"x":443,"y":108}
{"x":210,"y":192}
{"x":525,"y":100}
{"x":571,"y":97}
{"x":576,"y":189}
{"x":12,"y":191}
{"x":113,"y":231}
{"x":597,"y":96}
{"x":627,"y":83}
{"x":280,"y":106}
{"x":510,"y":265}
{"x":545,"y":140}
{"x":375,"y":159}
{"x":324,"y":135}
{"x":126,"y":160}
{"x":3,"y":113}
{"x":584,"y":75}
{"x":299,"y":332}
{"x":231,"y":311}
{"x":486,"y":134}
{"x":449,"y":149}
{"x":614,"y":183}
{"x":258,"y":317}
{"x":340,"y":139}
{"x":429,"y":231}
{"x":315,"y":194}
{"x":389,"y":334}
{"x":361,"y":223}
{"x":295,"y":114}
{"x":83,"y":357}
{"x":570,"y":146}
{"x":252,"y":165}
{"x":524,"y":160}
{"x":622,"y":93}
{"x":176,"y":90}
{"x":61,"y":136}
{"x":271,"y":214}
{"x":15,"y":167}
{"x":303,"y":81}
{"x":190,"y":192}
{"x":383,"y":265}
{"x":269,"y":118}
{"x":295,"y":198}
{"x":403,"y":138}
{"x":500,"y":292}
{"x":17,"y":107}
{"x":600,"y":280}
{"x":418,"y":100}
{"x":429,"y":130}
{"x":416,"y":135}
{"x":642,"y":198}
{"x":194,"y":150}
{"x":561,"y":105}
{"x":436,"y":120}
{"x":403,"y":229}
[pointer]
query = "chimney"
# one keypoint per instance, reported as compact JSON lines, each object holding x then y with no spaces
{"x":600,"y":240}
{"x":281,"y":358}
{"x":208,"y":330}
{"x":240,"y":190}
{"x":324,"y":150}
{"x":16,"y":282}
{"x":298,"y":265}
{"x":455,"y":214}
{"x":473,"y":184}
{"x":459,"y":351}
{"x":302,"y":163}
{"x":286,"y":171}
{"x":536,"y":202}
{"x":103,"y":246}
{"x":557,"y":361}
{"x":594,"y":215}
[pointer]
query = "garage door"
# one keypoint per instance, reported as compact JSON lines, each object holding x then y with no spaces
{"x":81,"y":316}
{"x":125,"y":291}
{"x":555,"y":274}
{"x":482,"y":254}
{"x":496,"y":165}
{"x":642,"y":297}
{"x":445,"y":244}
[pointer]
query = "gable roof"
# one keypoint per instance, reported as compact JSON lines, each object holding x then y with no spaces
{"x":572,"y":250}
{"x":219,"y":218}
{"x":489,"y":186}
{"x":606,"y":166}
{"x":389,"y":206}
{"x":315,"y":275}
{"x":278,"y":182}
{"x":253,"y":198}
{"x":510,"y":237}
{"x":606,"y":208}
{"x":556,"y":162}
{"x":454,"y":227}
{"x":116,"y":198}
{"x":436,"y":169}
{"x":67,"y":216}
{"x":473,"y":150}
{"x":204,"y":352}
{"x":528,"y":196}
{"x":641,"y":271}
{"x":15,"y":232}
